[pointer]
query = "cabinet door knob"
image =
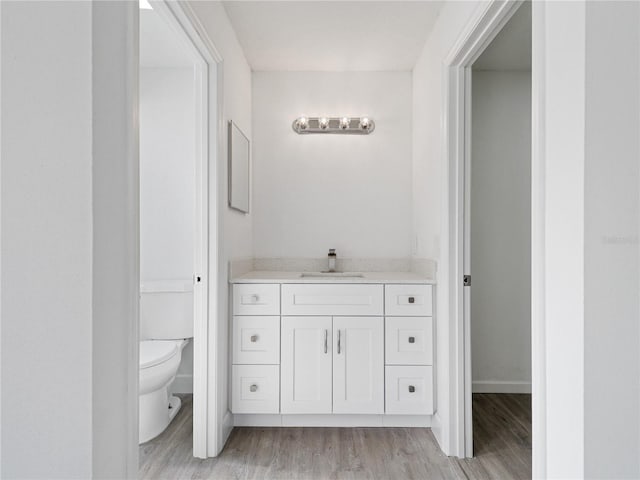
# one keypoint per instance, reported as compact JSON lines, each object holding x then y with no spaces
{"x":412,"y":339}
{"x":412,"y":389}
{"x":255,"y":298}
{"x":253,"y":388}
{"x":412,"y":300}
{"x":254,"y":338}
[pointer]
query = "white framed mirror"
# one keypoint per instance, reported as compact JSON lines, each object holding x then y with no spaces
{"x":239,"y":168}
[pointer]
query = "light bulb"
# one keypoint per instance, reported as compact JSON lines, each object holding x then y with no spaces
{"x":344,"y":123}
{"x":303,"y":123}
{"x":365,"y":123}
{"x":324,"y":123}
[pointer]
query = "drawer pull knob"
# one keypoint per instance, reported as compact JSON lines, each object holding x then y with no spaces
{"x":412,"y":300}
{"x":412,"y":389}
{"x":412,"y":339}
{"x":255,"y":298}
{"x":254,"y":338}
{"x":253,"y":388}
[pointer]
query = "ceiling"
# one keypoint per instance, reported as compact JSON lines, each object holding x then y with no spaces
{"x":332,"y":35}
{"x":159,"y":45}
{"x":511,"y":49}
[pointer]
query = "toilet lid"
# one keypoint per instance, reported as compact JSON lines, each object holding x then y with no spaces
{"x":153,"y":352}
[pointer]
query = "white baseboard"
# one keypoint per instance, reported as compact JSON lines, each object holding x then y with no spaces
{"x":437,"y":430}
{"x":182,"y":384}
{"x":227,"y":426}
{"x":276,"y":420}
{"x":493,"y":386}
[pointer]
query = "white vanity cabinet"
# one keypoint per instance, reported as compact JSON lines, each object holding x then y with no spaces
{"x":332,"y":354}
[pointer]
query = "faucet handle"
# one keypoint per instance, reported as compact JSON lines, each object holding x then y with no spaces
{"x":332,"y":251}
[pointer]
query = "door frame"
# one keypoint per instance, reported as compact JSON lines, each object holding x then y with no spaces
{"x":489,"y":21}
{"x":208,"y":75}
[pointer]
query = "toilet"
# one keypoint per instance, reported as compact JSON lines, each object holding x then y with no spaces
{"x":166,"y":327}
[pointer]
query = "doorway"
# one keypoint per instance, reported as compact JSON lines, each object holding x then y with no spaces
{"x":498,"y":243}
{"x":179,"y":112}
{"x":472,"y":43}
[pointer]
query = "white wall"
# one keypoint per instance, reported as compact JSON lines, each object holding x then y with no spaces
{"x":234,"y":229}
{"x":563,"y":114}
{"x":116,"y":222}
{"x":69,"y":227}
{"x":611,"y":245}
{"x":315,"y":192}
{"x":501,"y":231}
{"x":167,"y":173}
{"x":588,"y":167}
{"x":167,"y":184}
{"x":429,"y":167}
{"x":430,"y":177}
{"x":46,"y":240}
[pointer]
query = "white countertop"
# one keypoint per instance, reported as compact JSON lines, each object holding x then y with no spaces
{"x":367,"y":277}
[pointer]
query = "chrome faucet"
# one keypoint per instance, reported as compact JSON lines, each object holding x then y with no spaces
{"x":332,"y":259}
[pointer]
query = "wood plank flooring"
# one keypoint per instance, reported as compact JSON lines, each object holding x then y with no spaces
{"x":502,"y":436}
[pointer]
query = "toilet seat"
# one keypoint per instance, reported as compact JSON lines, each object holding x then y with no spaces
{"x":155,"y":352}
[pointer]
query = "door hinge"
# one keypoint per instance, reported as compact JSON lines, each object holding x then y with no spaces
{"x":466,"y":280}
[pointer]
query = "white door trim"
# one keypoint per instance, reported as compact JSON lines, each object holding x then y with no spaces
{"x":208,"y":67}
{"x":485,"y":25}
{"x":538,"y":188}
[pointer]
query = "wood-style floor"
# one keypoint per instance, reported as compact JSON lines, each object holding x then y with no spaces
{"x":502,"y":437}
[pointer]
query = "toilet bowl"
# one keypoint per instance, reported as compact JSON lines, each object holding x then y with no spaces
{"x":159,"y":362}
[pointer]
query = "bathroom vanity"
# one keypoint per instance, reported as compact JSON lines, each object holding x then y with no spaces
{"x":339,"y":350}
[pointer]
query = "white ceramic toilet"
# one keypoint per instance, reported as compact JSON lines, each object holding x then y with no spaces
{"x":166,"y":325}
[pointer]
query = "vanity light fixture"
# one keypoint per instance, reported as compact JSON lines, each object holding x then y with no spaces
{"x":345,"y":125}
{"x":301,"y":123}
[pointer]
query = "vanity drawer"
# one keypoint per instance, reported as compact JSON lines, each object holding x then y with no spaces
{"x":256,"y":389}
{"x":338,"y":299}
{"x":408,"y":340}
{"x":256,"y":340}
{"x":409,"y":390}
{"x":408,"y":300}
{"x":256,"y":299}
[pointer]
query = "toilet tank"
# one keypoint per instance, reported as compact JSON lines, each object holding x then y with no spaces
{"x":166,"y":309}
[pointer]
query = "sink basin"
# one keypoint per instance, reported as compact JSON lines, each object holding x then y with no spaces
{"x":332,"y":275}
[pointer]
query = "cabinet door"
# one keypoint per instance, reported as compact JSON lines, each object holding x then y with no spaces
{"x":358,"y":365}
{"x":306,"y":365}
